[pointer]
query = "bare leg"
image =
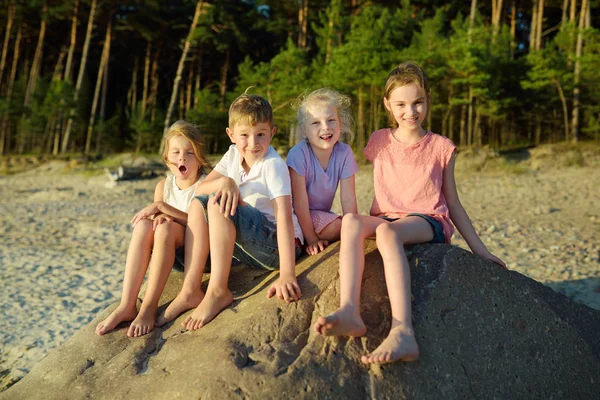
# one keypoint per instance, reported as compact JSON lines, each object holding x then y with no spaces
{"x":400,"y":343}
{"x":218,"y":296}
{"x":331,"y":232}
{"x":346,"y":320}
{"x":167,"y":237}
{"x":196,"y":254}
{"x":138,"y":256}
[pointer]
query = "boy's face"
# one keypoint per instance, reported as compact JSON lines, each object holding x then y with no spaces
{"x":252,"y":141}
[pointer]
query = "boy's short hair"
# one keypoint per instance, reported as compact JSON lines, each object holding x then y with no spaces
{"x":250,"y":109}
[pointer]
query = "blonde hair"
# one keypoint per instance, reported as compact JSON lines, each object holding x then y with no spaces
{"x":331,"y":97}
{"x":191,"y":133}
{"x":404,"y":74}
{"x":250,"y":109}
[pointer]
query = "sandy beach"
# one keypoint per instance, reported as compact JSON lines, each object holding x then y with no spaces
{"x":65,"y":235}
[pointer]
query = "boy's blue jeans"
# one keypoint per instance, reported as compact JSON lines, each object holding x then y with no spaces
{"x":255,"y":239}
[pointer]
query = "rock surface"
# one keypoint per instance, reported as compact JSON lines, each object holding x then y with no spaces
{"x":484,"y":332}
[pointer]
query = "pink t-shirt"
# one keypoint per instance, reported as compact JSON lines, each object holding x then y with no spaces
{"x":408,"y":178}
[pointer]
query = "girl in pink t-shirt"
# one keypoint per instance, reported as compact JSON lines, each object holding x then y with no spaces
{"x":320,"y":162}
{"x":415,"y":200}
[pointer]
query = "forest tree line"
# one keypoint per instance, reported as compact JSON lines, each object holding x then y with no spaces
{"x":101,"y":76}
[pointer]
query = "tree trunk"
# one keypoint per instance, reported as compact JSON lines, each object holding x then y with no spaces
{"x":223,"y":84}
{"x":538,"y":130}
{"x":190,"y":86}
{"x":132,"y":96}
{"x":462,"y":136}
{"x":538,"y":26}
{"x":198,"y":82}
{"x":86,"y":45}
{"x":576,"y":73}
{"x":513,"y":28}
{"x":37,"y":59}
{"x":573,"y":10}
{"x":360,"y":125}
{"x":186,"y":48}
{"x":478,"y":140}
{"x":68,"y":67}
{"x":533,"y":27}
{"x":181,"y":108}
{"x":472,"y":19}
{"x":470,"y":116}
{"x":302,"y":23}
{"x":154,"y":83}
{"x":9,"y":24}
{"x":496,"y":16}
{"x":564,"y":12}
{"x":563,"y":100}
{"x":146,"y":78}
{"x":451,"y":127}
{"x":104,"y":88}
{"x":4,"y":129}
{"x":101,"y":69}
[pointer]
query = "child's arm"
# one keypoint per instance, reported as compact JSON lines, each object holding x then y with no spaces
{"x":314,"y":245}
{"x":159,"y":207}
{"x":348,"y":196}
{"x":223,"y":187}
{"x":286,"y":286}
{"x":460,"y":218}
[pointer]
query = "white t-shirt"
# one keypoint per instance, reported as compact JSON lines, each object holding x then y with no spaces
{"x":267,"y":179}
{"x":175,"y":197}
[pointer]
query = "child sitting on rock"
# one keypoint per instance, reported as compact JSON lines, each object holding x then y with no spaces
{"x":415,"y":199}
{"x":159,"y":230}
{"x":243,"y":210}
{"x":320,"y":162}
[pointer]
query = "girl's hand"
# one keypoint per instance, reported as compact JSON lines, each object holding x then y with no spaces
{"x":147,"y":212}
{"x":316,"y":247}
{"x":160,"y":219}
{"x":490,"y":257}
{"x":230,"y":197}
{"x":286,"y":288}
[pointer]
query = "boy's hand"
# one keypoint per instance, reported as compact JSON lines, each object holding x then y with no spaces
{"x":147,"y":212}
{"x":159,"y":219}
{"x":316,"y":247}
{"x":286,"y":288}
{"x":230,"y":197}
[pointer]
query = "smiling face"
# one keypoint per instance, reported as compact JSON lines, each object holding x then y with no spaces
{"x":408,"y":105}
{"x":182,"y":161}
{"x":252,"y":141}
{"x":322,"y":126}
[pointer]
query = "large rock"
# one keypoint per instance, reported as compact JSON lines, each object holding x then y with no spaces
{"x":484,"y":332}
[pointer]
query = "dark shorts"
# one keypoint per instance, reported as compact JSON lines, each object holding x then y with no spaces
{"x":255,"y":239}
{"x":438,"y":229}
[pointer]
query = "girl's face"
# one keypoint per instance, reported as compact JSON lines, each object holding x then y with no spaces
{"x":408,"y":105}
{"x":181,"y":159}
{"x":322,"y":126}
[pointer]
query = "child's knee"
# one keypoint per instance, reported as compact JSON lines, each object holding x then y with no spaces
{"x":351,"y":221}
{"x":143,"y":228}
{"x":165,"y":231}
{"x":386,"y":234}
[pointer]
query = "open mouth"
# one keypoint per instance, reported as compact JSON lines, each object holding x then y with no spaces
{"x":326,"y":137}
{"x":183,"y":169}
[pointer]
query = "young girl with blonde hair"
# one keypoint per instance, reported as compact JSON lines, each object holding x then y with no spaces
{"x":318,"y":163}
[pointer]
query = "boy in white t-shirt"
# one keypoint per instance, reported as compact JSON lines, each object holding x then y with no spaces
{"x":244,"y":211}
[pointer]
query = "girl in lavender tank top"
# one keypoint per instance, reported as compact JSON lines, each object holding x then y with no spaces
{"x":318,"y":163}
{"x":415,"y":202}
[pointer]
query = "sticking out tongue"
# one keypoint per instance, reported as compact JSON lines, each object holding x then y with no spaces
{"x":183,"y":169}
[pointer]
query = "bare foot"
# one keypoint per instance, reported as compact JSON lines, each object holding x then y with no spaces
{"x":343,"y":322}
{"x":143,"y":323}
{"x":120,"y":314}
{"x":211,"y":305}
{"x":400,"y":344}
{"x":181,"y":303}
